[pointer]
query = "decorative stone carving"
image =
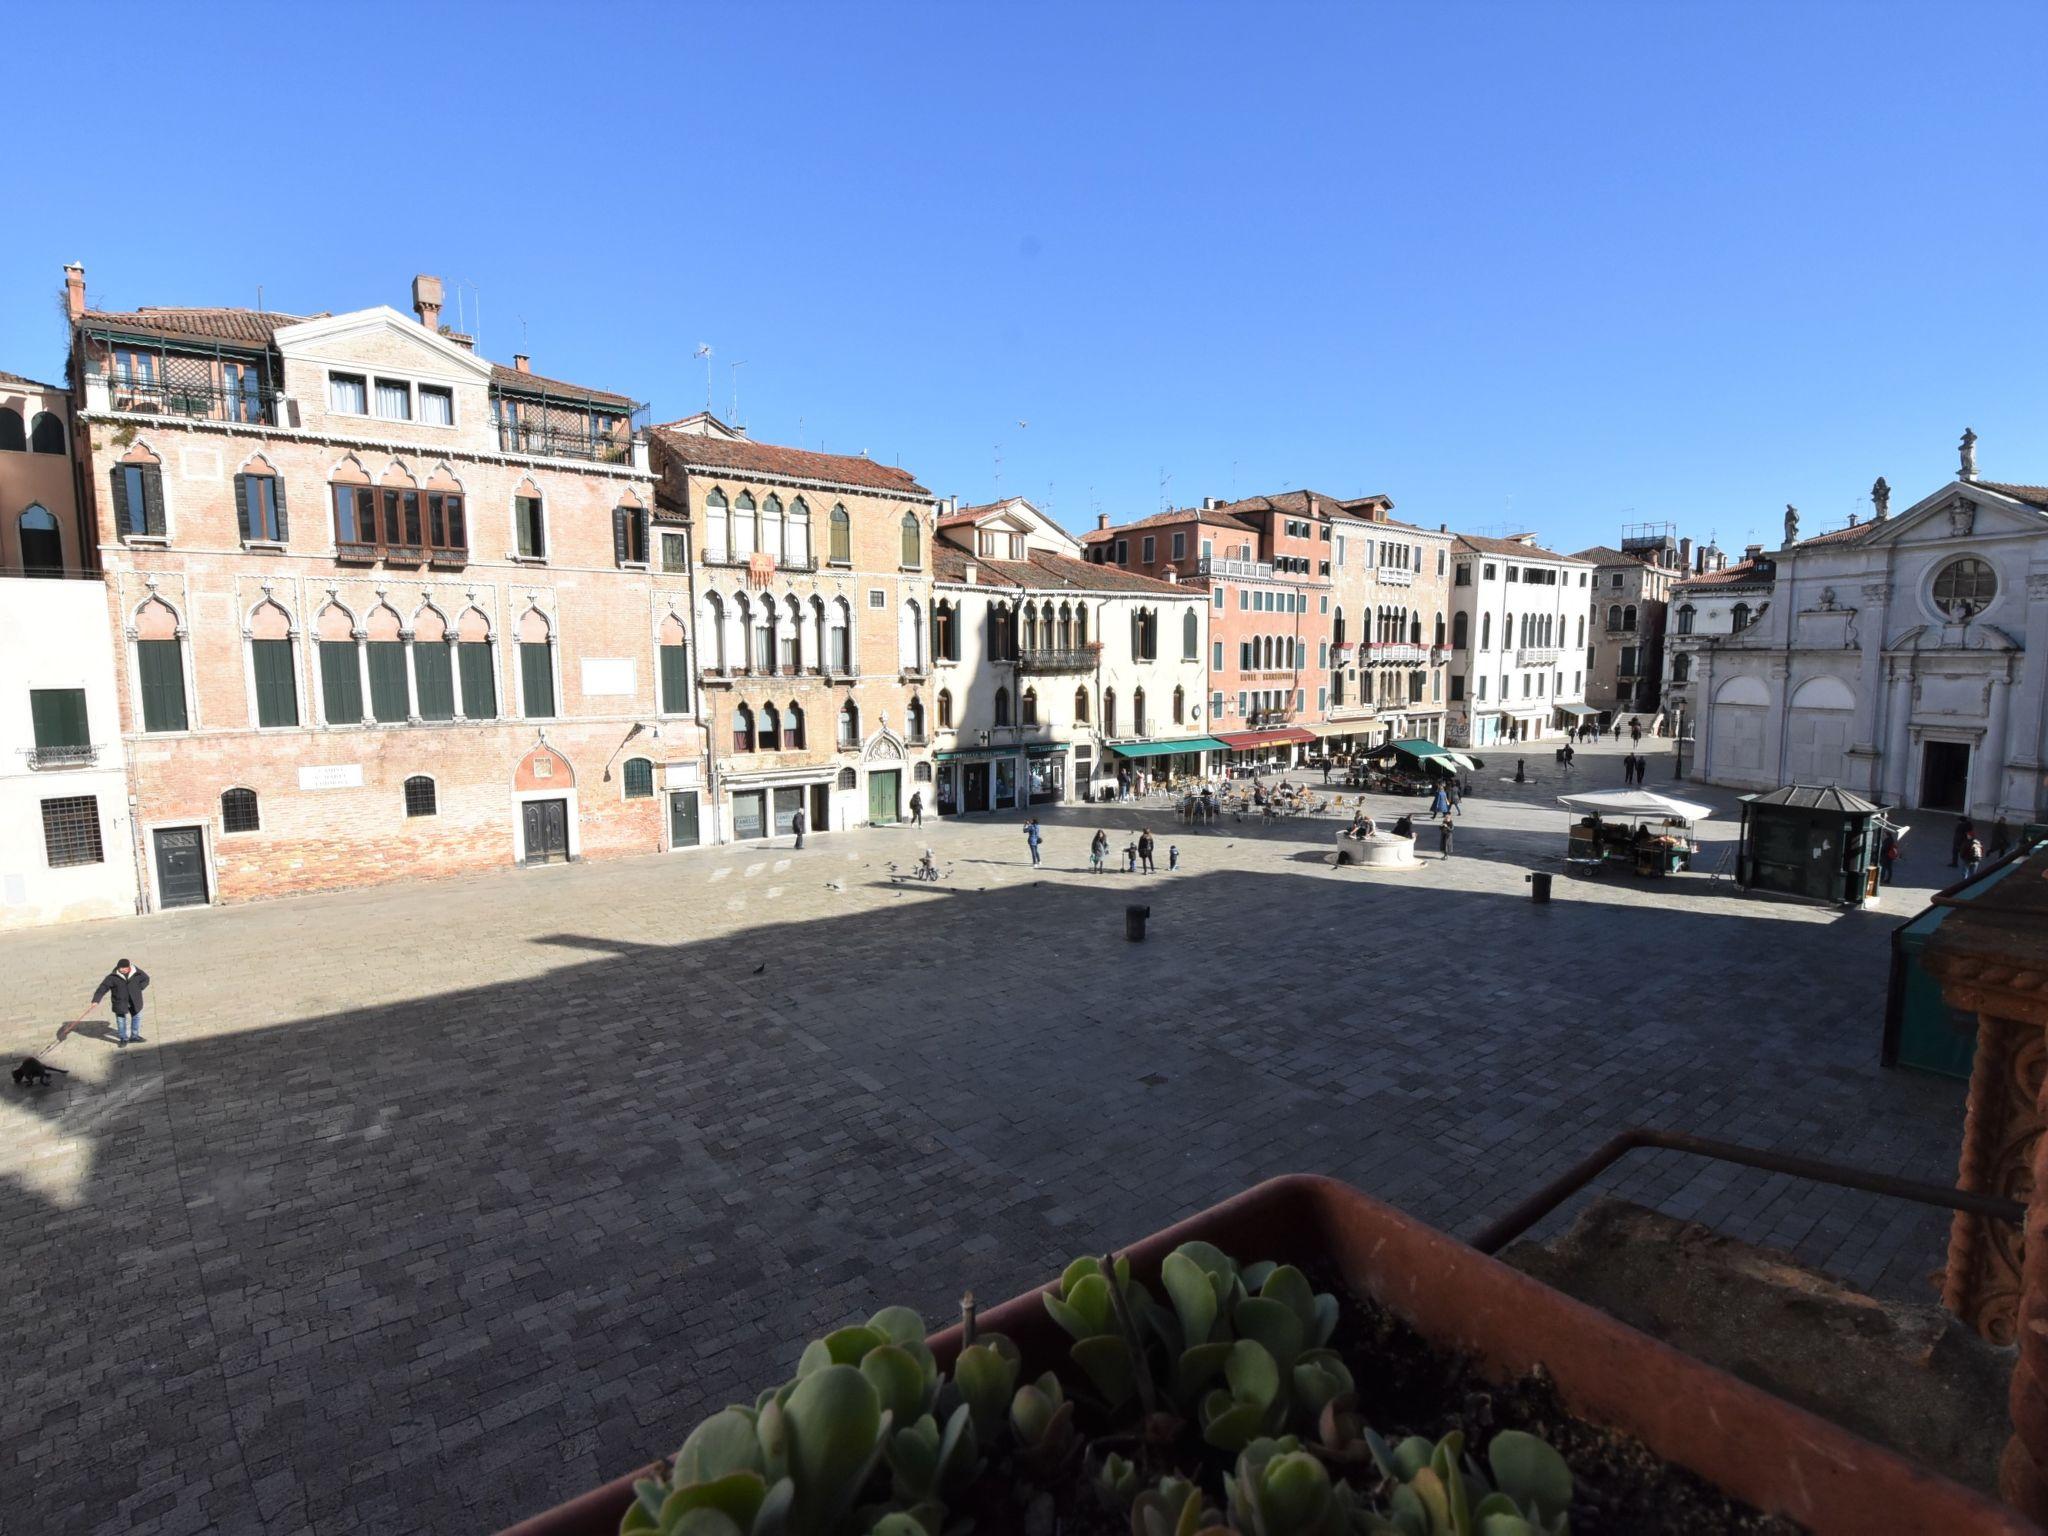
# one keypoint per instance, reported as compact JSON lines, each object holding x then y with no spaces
{"x":1962,"y":517}
{"x":1881,"y":499}
{"x":1991,"y":959}
{"x":1968,"y":448}
{"x":1791,"y":524}
{"x":1877,"y":591}
{"x":1827,"y":599}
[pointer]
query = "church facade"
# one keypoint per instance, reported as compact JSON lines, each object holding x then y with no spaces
{"x":1901,"y":657}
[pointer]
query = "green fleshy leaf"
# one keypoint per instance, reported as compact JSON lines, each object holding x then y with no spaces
{"x":1326,"y":1319}
{"x":637,"y":1520}
{"x":897,"y":1381}
{"x":1294,"y":1493}
{"x":1254,"y":1275}
{"x":1412,"y":1456}
{"x":777,"y":1514}
{"x":899,"y":1325}
{"x":1530,"y":1472}
{"x":1196,"y":1368}
{"x":1319,"y":1377}
{"x":1251,"y":1373}
{"x":985,"y":1379}
{"x":1289,"y":1286}
{"x":1273,"y":1324}
{"x":1194,"y":1302}
{"x":897,"y":1524}
{"x":1231,"y":1426}
{"x":913,"y":1457}
{"x":1436,"y":1498}
{"x":1210,"y":1258}
{"x":1106,"y":1361}
{"x":835,"y":1424}
{"x":849,"y":1346}
{"x":728,"y":1441}
{"x":959,"y":1451}
{"x":1076,"y":1272}
{"x":701,"y":1522}
{"x":737,"y":1496}
{"x":1506,"y":1525}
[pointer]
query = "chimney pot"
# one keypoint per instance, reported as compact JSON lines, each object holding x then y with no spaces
{"x":74,"y":289}
{"x":973,"y":574}
{"x":1101,"y":521}
{"x":426,"y":300}
{"x":522,"y":362}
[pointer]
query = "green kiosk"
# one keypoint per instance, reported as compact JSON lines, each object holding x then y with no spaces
{"x":1817,"y":842}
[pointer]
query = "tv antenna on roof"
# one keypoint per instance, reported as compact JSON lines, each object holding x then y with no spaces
{"x":1165,"y":479}
{"x":736,"y":367}
{"x":704,"y":351}
{"x":999,"y":471}
{"x":462,"y":323}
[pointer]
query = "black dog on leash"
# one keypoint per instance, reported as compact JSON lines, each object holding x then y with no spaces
{"x":33,"y":1073}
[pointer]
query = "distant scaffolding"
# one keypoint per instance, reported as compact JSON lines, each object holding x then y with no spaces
{"x":1641,"y":537}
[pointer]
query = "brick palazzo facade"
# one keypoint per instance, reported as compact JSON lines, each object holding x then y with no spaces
{"x":383,"y":609}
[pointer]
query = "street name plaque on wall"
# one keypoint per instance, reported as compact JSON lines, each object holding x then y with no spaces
{"x":332,"y":776}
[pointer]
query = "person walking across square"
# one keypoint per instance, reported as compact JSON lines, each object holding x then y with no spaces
{"x":1438,"y":803}
{"x":798,"y":825}
{"x":1145,"y":851}
{"x":1443,"y":837}
{"x":123,"y":987}
{"x":917,"y":807}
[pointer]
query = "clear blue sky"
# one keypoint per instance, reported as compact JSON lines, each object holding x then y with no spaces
{"x":1555,"y":267}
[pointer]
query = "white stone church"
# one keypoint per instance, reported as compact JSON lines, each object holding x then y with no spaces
{"x":1892,"y":658}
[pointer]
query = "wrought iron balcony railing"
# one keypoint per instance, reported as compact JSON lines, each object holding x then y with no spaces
{"x":558,"y":443}
{"x":80,"y":755}
{"x":1060,"y":658}
{"x":251,"y":403}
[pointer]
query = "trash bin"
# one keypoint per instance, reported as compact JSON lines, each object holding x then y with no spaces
{"x":1539,"y":885}
{"x":1134,"y":923}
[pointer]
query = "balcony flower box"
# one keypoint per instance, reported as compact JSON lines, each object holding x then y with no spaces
{"x":1452,"y":1325}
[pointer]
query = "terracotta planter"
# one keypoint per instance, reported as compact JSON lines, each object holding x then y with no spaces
{"x":1751,"y":1445}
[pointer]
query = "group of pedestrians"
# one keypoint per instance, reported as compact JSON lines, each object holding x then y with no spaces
{"x":1593,"y":730}
{"x":1967,"y":851}
{"x":1633,"y":767}
{"x":1139,"y":853}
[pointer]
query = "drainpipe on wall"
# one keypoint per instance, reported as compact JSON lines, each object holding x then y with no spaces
{"x":697,"y":693}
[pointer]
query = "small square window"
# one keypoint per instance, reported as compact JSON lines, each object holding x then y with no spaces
{"x":71,"y":831}
{"x":394,"y":400}
{"x":437,"y":405}
{"x":348,"y":394}
{"x":877,"y":598}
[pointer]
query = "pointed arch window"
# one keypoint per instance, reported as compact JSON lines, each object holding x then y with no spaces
{"x":1080,"y":706}
{"x":1180,"y":706}
{"x":945,"y":632}
{"x":717,"y":533}
{"x":1066,"y":627}
{"x":743,"y":525}
{"x":742,"y":728}
{"x":793,"y":727}
{"x":1109,"y":711}
{"x":849,"y":725}
{"x":1138,"y":711}
{"x":797,"y":537}
{"x":912,"y":556}
{"x":1002,"y":706}
{"x":771,"y":527}
{"x":42,"y":545}
{"x":771,"y":728}
{"x":913,"y":718}
{"x":1027,"y":709}
{"x":945,"y":709}
{"x":1190,"y":637}
{"x":840,"y":547}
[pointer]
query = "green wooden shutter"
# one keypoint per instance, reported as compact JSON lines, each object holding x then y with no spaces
{"x":435,"y":681}
{"x":277,"y":684}
{"x":537,"y":679}
{"x":640,"y":526}
{"x":479,"y":680}
{"x":162,"y":665}
{"x":153,"y":501}
{"x":284,"y":528}
{"x":341,"y":683}
{"x":120,"y":493}
{"x":675,"y":679}
{"x":387,"y":681}
{"x":58,"y":715}
{"x":242,"y":505}
{"x":620,"y":537}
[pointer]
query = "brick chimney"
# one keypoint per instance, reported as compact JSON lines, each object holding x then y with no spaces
{"x":426,"y":300}
{"x":1685,"y":554}
{"x":1101,"y":521}
{"x":522,"y":362}
{"x":74,"y":289}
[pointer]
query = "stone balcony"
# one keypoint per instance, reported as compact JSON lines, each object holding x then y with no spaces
{"x":1046,"y":661}
{"x":1537,"y":656}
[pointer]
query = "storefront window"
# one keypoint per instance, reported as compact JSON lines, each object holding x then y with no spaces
{"x":1006,"y":783}
{"x":949,"y":790}
{"x":1048,"y":779}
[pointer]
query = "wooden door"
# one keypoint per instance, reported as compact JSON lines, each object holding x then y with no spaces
{"x":883,"y":787}
{"x":180,"y":867}
{"x":547,"y":831}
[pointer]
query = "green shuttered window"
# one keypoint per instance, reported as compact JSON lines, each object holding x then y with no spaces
{"x":277,"y":687}
{"x":341,"y":683}
{"x":162,"y":665}
{"x":435,"y":680}
{"x":479,"y":680}
{"x":59,"y":717}
{"x":536,"y":679}
{"x":675,"y":679}
{"x":387,"y":681}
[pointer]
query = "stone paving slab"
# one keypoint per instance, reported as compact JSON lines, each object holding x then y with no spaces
{"x":426,"y":1207}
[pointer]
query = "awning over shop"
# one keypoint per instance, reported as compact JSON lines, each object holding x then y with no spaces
{"x":1247,"y":741}
{"x":1349,"y":728}
{"x":1581,"y":710}
{"x":1165,"y":748}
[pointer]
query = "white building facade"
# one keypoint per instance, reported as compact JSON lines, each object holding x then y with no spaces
{"x":1050,"y":672}
{"x":1893,"y":658}
{"x":1518,"y":641}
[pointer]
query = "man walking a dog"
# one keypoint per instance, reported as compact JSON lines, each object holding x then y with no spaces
{"x":124,"y":986}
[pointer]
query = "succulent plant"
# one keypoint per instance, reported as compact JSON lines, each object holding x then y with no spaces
{"x":1249,"y":1404}
{"x":1279,"y":1489}
{"x":1082,"y":1304}
{"x":1532,"y":1488}
{"x":985,"y":1378}
{"x":926,"y":1463}
{"x":1437,"y":1491}
{"x":1117,"y":1481}
{"x":1173,"y":1508}
{"x":1042,"y":1420}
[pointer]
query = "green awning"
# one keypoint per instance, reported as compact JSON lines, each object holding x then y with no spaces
{"x":1419,"y":747}
{"x":1166,"y":748}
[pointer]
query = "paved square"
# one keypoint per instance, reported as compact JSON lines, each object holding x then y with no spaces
{"x":424,"y":1208}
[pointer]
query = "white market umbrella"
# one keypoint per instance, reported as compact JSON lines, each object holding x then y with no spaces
{"x":1636,"y":802}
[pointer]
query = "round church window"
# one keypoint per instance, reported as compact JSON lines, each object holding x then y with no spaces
{"x":1964,"y":588}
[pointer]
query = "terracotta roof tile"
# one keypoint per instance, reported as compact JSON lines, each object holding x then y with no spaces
{"x":230,"y":327}
{"x":2032,"y":495}
{"x":534,"y":383}
{"x":1742,"y":573}
{"x":1606,"y":554}
{"x":742,"y":456}
{"x":1837,"y":536}
{"x":1058,"y":572}
{"x":22,"y":380}
{"x":1213,"y":518}
{"x":1480,"y":544}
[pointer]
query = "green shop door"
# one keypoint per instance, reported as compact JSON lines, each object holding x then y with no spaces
{"x":882,"y":792}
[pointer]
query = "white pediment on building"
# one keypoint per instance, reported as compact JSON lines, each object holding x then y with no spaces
{"x":1959,"y":510}
{"x":1016,"y":514}
{"x":380,"y":338}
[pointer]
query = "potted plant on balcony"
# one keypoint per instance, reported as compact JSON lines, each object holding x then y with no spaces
{"x":1364,"y":1375}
